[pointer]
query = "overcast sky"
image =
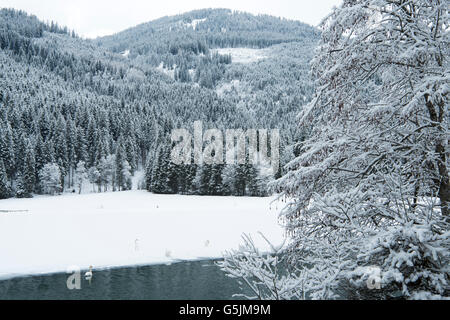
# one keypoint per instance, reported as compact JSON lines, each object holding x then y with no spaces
{"x":92,"y":18}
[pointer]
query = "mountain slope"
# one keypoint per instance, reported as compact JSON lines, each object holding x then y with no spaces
{"x":69,"y":101}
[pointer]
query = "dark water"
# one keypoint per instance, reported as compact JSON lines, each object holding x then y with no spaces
{"x":180,"y":281}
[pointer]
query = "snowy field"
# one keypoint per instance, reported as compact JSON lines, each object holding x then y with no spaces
{"x":126,"y":228}
{"x":244,"y":55}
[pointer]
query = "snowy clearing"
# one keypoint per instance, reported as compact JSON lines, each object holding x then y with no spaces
{"x":126,"y":228}
{"x":228,"y":87}
{"x":195,"y":23}
{"x":244,"y":55}
{"x":166,"y":71}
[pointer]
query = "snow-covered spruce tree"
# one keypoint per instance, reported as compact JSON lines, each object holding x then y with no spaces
{"x":5,"y":192}
{"x":107,"y":169}
{"x":29,"y":172}
{"x":362,"y":191}
{"x":7,"y":150}
{"x":119,"y":166}
{"x":20,"y":189}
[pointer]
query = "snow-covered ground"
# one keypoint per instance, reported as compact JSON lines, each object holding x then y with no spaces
{"x":244,"y":55}
{"x":126,"y":228}
{"x":228,"y":86}
{"x":166,"y":71}
{"x":195,"y":23}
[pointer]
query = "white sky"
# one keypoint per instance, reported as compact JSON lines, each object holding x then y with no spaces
{"x":92,"y":18}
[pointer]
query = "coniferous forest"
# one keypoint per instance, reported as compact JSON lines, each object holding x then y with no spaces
{"x":99,"y":110}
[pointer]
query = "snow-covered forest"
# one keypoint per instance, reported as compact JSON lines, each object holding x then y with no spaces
{"x":361,"y":104}
{"x":89,"y":111}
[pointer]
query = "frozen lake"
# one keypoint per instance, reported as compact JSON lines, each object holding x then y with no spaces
{"x":125,"y":229}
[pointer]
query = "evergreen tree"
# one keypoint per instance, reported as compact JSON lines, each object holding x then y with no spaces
{"x":20,"y":187}
{"x":71,"y":147}
{"x":119,"y":166}
{"x":251,"y":178}
{"x":29,"y":172}
{"x":131,"y":153}
{"x":40,"y":157}
{"x":107,"y":172}
{"x":5,"y":191}
{"x":215,"y":182}
{"x":229,"y":180}
{"x":163,"y":177}
{"x":148,"y":174}
{"x":7,"y":150}
{"x":81,"y":146}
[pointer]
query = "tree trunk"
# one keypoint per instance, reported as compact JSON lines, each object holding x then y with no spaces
{"x":442,"y":183}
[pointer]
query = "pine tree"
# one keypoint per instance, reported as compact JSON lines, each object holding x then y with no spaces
{"x":229,"y":180}
{"x":215,"y":182}
{"x":49,"y":152}
{"x":119,"y":166}
{"x":5,"y":191}
{"x":163,"y":174}
{"x":107,"y":171}
{"x":92,"y":143}
{"x":39,"y":151}
{"x":20,"y":143}
{"x":61,"y":154}
{"x":71,"y":147}
{"x":251,"y":174}
{"x":81,"y":146}
{"x":29,"y":172}
{"x":148,"y":174}
{"x":131,"y":153}
{"x":240,"y":180}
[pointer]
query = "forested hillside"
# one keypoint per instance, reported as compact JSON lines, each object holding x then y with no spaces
{"x":99,"y":110}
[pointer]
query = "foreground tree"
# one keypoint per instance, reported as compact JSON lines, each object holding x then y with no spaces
{"x":266,"y":277}
{"x":378,"y":151}
{"x":370,"y":188}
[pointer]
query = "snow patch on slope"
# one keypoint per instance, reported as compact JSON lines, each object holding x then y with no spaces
{"x":166,"y":71}
{"x":244,"y":55}
{"x":194,"y":23}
